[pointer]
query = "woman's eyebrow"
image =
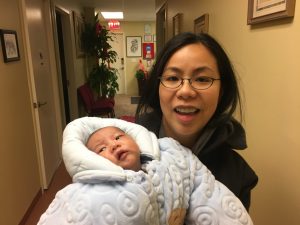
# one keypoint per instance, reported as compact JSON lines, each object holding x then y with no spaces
{"x":203,"y":69}
{"x":197,"y":70}
{"x":173,"y":69}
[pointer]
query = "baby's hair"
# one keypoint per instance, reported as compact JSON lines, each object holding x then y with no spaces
{"x":101,"y":129}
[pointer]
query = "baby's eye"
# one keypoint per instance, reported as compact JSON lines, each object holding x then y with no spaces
{"x":101,"y":149}
{"x":118,"y":136}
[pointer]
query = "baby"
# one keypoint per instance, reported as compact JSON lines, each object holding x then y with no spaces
{"x":117,"y":186}
{"x":115,"y":145}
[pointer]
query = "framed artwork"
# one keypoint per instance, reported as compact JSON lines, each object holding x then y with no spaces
{"x":133,"y":46}
{"x":147,"y":28}
{"x":78,"y":29}
{"x":10,"y":47}
{"x":266,"y":10}
{"x":148,"y":38}
{"x":201,"y":24}
{"x":148,"y":51}
{"x":177,"y":24}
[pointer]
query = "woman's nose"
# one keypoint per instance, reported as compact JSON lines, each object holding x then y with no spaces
{"x":186,"y":90}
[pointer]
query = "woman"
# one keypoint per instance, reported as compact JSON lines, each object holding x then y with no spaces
{"x":191,"y":96}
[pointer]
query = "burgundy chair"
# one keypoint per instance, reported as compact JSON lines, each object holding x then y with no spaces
{"x":99,"y":107}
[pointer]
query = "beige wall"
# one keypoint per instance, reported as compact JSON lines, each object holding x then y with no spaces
{"x":266,"y":58}
{"x":18,"y":159}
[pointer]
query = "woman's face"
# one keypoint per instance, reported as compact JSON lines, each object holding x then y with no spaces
{"x":187,"y":110}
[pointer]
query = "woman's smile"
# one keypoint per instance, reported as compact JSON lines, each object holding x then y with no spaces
{"x":186,"y":114}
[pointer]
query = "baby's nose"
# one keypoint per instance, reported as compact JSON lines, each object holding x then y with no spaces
{"x":113,"y":145}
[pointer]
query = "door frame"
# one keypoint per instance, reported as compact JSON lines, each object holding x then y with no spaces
{"x":66,"y":20}
{"x":161,"y":27}
{"x":124,"y":59}
{"x":32,"y":86}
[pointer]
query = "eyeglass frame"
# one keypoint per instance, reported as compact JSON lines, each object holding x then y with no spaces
{"x":190,"y":82}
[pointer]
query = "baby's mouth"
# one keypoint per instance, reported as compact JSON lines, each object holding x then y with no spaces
{"x":186,"y":110}
{"x":121,"y":154}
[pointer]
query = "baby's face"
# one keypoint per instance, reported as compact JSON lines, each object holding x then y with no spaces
{"x":118,"y":147}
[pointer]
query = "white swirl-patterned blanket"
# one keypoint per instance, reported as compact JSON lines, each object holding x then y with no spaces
{"x":173,"y":188}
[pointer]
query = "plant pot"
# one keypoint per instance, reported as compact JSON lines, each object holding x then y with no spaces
{"x":141,"y":86}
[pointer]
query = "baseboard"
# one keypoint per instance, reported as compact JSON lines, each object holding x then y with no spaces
{"x":29,"y":210}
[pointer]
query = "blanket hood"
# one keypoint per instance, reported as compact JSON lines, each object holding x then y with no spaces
{"x":84,"y":165}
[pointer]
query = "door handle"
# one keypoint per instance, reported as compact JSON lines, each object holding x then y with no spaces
{"x":38,"y":104}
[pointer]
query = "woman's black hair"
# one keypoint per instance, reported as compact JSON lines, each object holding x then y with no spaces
{"x":229,"y":96}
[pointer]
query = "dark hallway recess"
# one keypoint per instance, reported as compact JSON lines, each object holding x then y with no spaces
{"x":64,"y":78}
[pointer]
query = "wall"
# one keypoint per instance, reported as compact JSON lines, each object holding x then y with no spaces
{"x":18,"y":159}
{"x":266,"y":58}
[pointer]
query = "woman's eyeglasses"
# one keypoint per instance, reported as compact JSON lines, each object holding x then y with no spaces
{"x":198,"y":82}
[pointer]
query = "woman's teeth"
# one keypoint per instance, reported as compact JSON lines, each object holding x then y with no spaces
{"x":186,"y":110}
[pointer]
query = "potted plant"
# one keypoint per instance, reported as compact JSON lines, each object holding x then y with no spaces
{"x":141,"y":76}
{"x":95,"y":40}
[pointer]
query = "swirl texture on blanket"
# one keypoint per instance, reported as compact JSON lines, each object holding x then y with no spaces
{"x":173,"y":188}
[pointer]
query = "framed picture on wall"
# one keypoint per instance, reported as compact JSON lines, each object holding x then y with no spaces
{"x":201,"y":24}
{"x":10,"y":47}
{"x":177,"y":24}
{"x":78,"y":29}
{"x":148,"y":51}
{"x":133,"y":46}
{"x":147,"y":37}
{"x":266,"y":10}
{"x":147,"y":28}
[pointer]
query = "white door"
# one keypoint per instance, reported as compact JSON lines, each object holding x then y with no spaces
{"x":118,"y":46}
{"x":39,"y":64}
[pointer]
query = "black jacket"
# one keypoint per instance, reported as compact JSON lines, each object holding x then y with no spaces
{"x":218,"y":155}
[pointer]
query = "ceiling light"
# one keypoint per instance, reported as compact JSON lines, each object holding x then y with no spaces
{"x":112,"y":15}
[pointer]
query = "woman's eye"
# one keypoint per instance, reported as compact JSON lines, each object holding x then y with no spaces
{"x":202,"y":79}
{"x":171,"y":78}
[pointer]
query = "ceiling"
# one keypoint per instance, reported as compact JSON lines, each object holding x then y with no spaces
{"x":134,"y":10}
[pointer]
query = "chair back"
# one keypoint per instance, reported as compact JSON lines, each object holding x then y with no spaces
{"x":87,"y":96}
